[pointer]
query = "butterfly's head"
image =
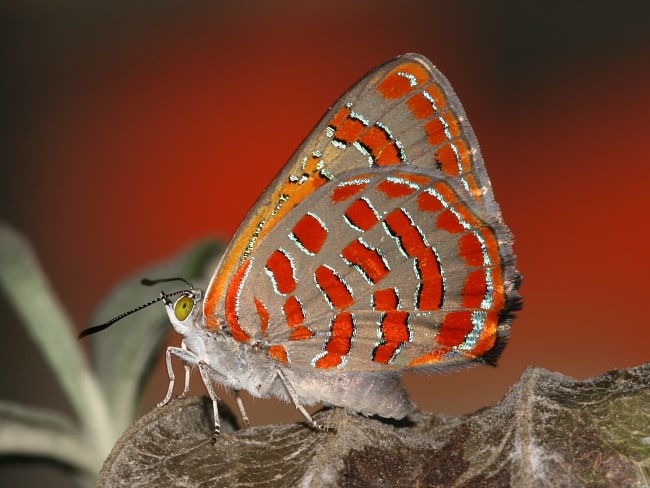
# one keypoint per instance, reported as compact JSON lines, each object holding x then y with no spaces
{"x":186,"y":313}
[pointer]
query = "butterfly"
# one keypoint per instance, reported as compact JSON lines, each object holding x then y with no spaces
{"x":378,"y":249}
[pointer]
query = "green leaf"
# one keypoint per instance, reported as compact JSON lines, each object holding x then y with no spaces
{"x":123,"y":354}
{"x":43,"y":434}
{"x":29,"y":292}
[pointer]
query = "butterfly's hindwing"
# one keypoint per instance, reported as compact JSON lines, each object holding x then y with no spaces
{"x":377,"y":272}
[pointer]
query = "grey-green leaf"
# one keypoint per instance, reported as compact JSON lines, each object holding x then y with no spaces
{"x":48,"y":325}
{"x":36,"y":433}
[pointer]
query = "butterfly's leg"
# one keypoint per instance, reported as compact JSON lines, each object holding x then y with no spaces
{"x":186,"y":388}
{"x":242,"y":410}
{"x":188,"y":358}
{"x":298,"y":404}
{"x":211,"y":373}
{"x":206,"y":372}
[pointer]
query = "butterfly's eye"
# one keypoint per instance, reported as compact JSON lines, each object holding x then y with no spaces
{"x":183,"y":307}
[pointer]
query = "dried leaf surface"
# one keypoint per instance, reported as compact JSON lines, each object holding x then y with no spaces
{"x":549,"y":430}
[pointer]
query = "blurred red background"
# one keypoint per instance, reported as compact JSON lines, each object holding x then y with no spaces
{"x":130,"y":132}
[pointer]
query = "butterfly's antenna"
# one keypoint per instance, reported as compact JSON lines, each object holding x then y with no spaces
{"x":147,"y":282}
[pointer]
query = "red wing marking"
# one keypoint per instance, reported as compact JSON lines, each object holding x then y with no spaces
{"x":375,"y":138}
{"x":401,"y":227}
{"x":369,"y":261}
{"x":349,"y":131}
{"x":453,"y":156}
{"x":475,"y":190}
{"x":395,"y":189}
{"x":417,"y":179}
{"x":280,"y":269}
{"x":381,"y":147}
{"x":293,"y":312}
{"x":390,"y":154}
{"x":394,"y":332}
{"x":383,"y":353}
{"x":454,"y":328}
{"x":340,"y":116}
{"x":437,"y":355}
{"x":232,"y":303}
{"x":333,"y":287}
{"x":431,"y":289}
{"x":403,"y":80}
{"x":394,"y":326}
{"x":346,"y":191}
{"x":375,"y":141}
{"x":420,"y":106}
{"x":263,"y":313}
{"x":385,"y":300}
{"x":449,"y":222}
{"x":437,"y":97}
{"x":441,"y":129}
{"x":468,"y":216}
{"x":475,"y":289}
{"x":471,"y":250}
{"x":279,"y":353}
{"x":309,"y":233}
{"x":489,"y":334}
{"x":361,"y":215}
{"x":429,"y":203}
{"x":447,"y":194}
{"x":301,"y":333}
{"x":339,"y":343}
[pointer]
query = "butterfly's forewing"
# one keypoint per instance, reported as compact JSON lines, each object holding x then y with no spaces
{"x":380,"y":244}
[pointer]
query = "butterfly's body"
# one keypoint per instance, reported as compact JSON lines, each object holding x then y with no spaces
{"x":239,"y":367}
{"x":378,"y":249}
